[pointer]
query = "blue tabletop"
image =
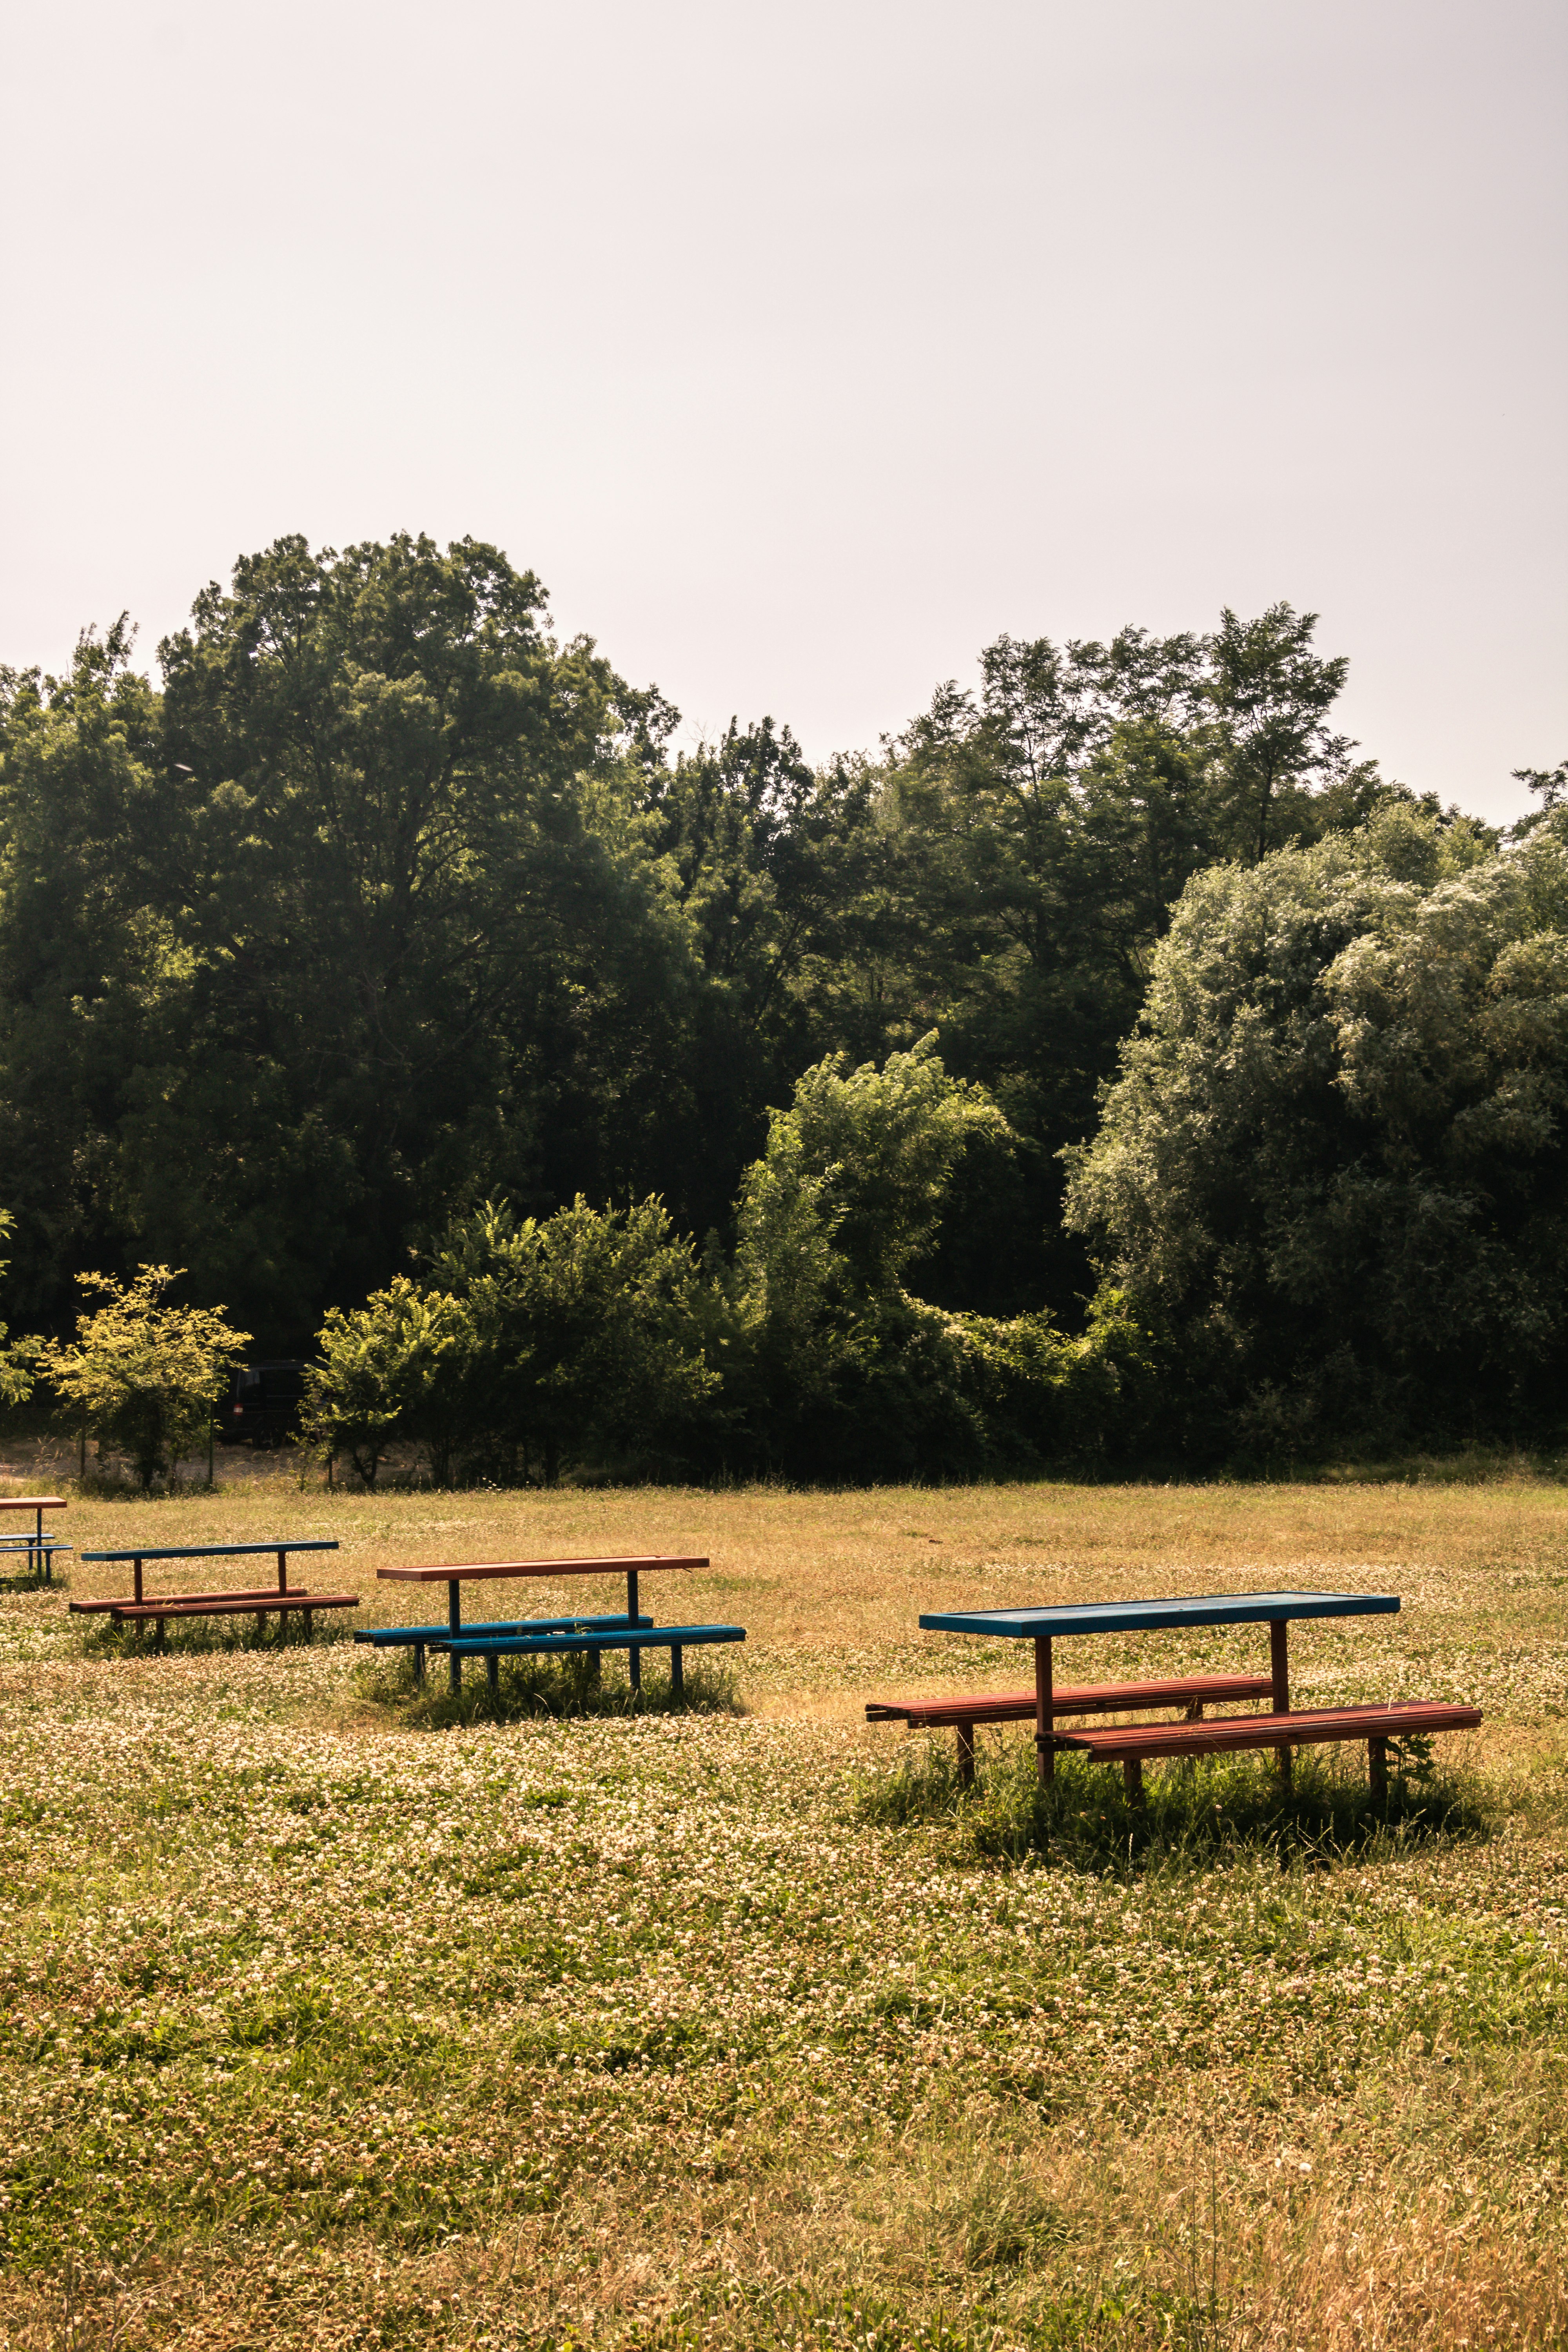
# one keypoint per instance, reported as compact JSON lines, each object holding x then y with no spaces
{"x":1156,"y":1616}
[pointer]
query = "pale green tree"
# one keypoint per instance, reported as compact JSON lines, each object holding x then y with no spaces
{"x":145,"y":1377}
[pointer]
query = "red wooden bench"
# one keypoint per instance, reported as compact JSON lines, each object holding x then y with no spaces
{"x":1192,"y":1691}
{"x":1130,"y":1744}
{"x":138,"y":1607}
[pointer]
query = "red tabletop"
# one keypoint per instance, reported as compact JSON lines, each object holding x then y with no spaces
{"x":632,"y":1563}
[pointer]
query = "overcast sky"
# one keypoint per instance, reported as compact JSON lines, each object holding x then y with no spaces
{"x":801,"y":349}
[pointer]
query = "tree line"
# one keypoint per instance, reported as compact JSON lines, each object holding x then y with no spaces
{"x":1094,"y":1066}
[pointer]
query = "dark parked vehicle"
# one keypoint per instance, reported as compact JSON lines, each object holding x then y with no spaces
{"x":262,"y":1407}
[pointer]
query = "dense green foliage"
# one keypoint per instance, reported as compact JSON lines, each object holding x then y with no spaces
{"x":1332,"y":1164}
{"x":385,"y":953}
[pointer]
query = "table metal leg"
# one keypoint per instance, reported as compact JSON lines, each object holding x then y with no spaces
{"x":1279,"y":1668}
{"x":454,"y":1625}
{"x":676,"y":1673}
{"x":634,"y":1656}
{"x":419,"y":1664}
{"x":1045,"y":1716}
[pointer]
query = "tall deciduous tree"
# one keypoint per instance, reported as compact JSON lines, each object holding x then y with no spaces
{"x":357,"y":920}
{"x":1333,"y":1164}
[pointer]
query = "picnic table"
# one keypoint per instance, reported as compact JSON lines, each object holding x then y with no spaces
{"x":138,"y":1607}
{"x":37,"y":1543}
{"x":1280,"y":1728}
{"x":479,"y":1640}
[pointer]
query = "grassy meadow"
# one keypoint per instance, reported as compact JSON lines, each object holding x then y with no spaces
{"x":327,"y":2023}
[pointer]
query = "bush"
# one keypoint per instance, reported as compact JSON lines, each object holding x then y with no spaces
{"x":145,"y":1378}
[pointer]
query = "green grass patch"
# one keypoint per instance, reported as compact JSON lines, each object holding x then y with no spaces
{"x":1194,"y":1815}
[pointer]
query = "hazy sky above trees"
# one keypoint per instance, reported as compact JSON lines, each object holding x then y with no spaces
{"x":801,"y":352}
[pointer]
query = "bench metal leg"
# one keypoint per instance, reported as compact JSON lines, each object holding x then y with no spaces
{"x":1279,"y":1674}
{"x":633,"y":1655}
{"x":1377,"y":1769}
{"x":419,"y":1664}
{"x":676,"y":1675}
{"x":1133,"y":1773}
{"x":1044,"y":1715}
{"x":965,"y":1755}
{"x":454,"y":1625}
{"x":307,"y":1625}
{"x":492,"y":1676}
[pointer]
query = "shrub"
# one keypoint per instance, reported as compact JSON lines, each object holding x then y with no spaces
{"x":146,"y":1378}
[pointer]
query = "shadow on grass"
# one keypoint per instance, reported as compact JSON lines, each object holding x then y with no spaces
{"x":190,"y":1636}
{"x":35,"y":1580}
{"x":533,"y":1689}
{"x":1195,"y":1815}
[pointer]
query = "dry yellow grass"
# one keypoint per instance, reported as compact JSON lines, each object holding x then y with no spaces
{"x":321,"y":2030}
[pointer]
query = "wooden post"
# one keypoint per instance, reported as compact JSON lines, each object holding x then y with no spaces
{"x":282,"y":1568}
{"x":633,"y":1655}
{"x":136,"y":1574}
{"x":1045,"y":1716}
{"x":1279,"y":1668}
{"x":454,"y":1625}
{"x":1377,"y":1769}
{"x":965,"y":1755}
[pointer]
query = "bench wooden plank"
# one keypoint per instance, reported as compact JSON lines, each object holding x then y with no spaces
{"x":1132,"y":1745}
{"x":177,"y":1600}
{"x":676,"y":1638}
{"x":235,"y":1604}
{"x":1221,"y":1734}
{"x":433,"y":1636}
{"x":656,"y":1637}
{"x":1084,"y":1698}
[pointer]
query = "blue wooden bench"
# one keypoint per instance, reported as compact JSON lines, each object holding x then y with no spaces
{"x":419,"y":1638}
{"x":633,"y":1641}
{"x":39,"y":1558}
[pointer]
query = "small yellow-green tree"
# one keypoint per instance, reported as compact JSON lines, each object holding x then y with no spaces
{"x":146,"y":1378}
{"x":16,"y":1379}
